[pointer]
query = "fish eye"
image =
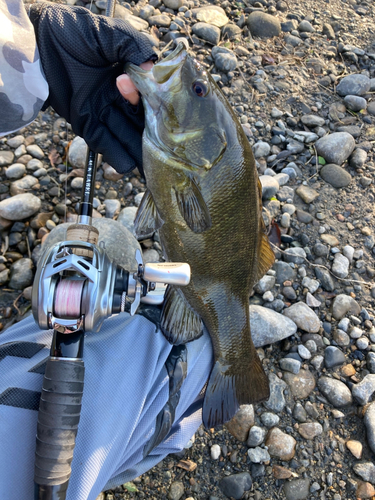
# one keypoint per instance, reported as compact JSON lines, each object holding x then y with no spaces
{"x":200,"y":88}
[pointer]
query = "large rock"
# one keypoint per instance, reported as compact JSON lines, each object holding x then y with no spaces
{"x":20,"y":206}
{"x":335,"y":148}
{"x":263,"y":25}
{"x":354,"y":85}
{"x":120,"y":244}
{"x":268,"y":326}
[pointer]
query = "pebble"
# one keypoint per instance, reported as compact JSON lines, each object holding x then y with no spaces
{"x":20,"y":206}
{"x":276,"y":401}
{"x":263,"y":25}
{"x":301,"y":384}
{"x":77,"y":153}
{"x":280,"y":444}
{"x":335,"y":148}
{"x":344,"y":304}
{"x":355,"y":448}
{"x":207,"y":32}
{"x":256,"y":436}
{"x":366,"y":470}
{"x":240,"y":425}
{"x":35,"y":151}
{"x":215,"y":452}
{"x":297,"y":489}
{"x":337,"y":393}
{"x":353,"y":85}
{"x":365,"y":490}
{"x":235,"y":485}
{"x":21,"y":274}
{"x":355,"y":103}
{"x":126,"y":217}
{"x":340,"y":266}
{"x":269,"y":419}
{"x":112,"y":208}
{"x":268,"y":325}
{"x":304,"y":317}
{"x":307,"y":194}
{"x":296,"y":255}
{"x":363,"y":391}
{"x":310,"y":430}
{"x":270,"y":186}
{"x":176,"y":490}
{"x":6,"y":158}
{"x":258,"y":455}
{"x":304,"y":352}
{"x":290,"y":365}
{"x":15,"y":171}
{"x":212,"y":14}
{"x":335,"y":175}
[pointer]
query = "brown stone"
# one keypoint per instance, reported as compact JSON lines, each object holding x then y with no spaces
{"x":355,"y":448}
{"x":365,"y":490}
{"x":281,"y":472}
{"x":310,"y":430}
{"x":280,"y":444}
{"x":348,"y":370}
{"x":241,"y":423}
{"x":300,"y":385}
{"x":40,"y":220}
{"x":330,"y":240}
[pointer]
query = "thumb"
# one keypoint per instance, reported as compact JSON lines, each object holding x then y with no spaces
{"x":127,"y":88}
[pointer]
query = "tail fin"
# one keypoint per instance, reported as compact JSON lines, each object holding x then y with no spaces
{"x":230,"y":386}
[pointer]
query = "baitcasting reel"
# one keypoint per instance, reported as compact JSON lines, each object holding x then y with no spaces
{"x":77,"y":286}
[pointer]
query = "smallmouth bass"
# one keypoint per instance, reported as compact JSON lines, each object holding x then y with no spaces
{"x":204,"y":197}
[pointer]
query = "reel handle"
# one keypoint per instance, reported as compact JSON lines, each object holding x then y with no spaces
{"x":171,"y":273}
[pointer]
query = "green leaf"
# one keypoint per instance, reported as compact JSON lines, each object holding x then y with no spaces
{"x":130,"y":487}
{"x":321,"y":160}
{"x":273,"y":198}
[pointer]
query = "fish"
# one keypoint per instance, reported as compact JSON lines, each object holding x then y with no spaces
{"x":204,"y":197}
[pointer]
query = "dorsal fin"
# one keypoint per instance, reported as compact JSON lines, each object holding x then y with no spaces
{"x":179,"y":323}
{"x":147,"y":220}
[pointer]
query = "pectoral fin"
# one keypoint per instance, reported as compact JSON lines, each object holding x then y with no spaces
{"x":193,"y":208}
{"x":147,"y":220}
{"x":179,"y":323}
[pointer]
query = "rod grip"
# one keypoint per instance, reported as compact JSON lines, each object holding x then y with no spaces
{"x":58,"y":418}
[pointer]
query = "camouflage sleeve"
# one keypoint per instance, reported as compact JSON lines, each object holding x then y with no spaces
{"x":23,"y":88}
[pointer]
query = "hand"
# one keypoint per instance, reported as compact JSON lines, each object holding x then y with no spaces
{"x":82,"y":55}
{"x":127,"y":88}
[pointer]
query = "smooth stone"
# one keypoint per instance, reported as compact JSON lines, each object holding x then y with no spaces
{"x":355,"y":84}
{"x":304,"y":317}
{"x":307,"y":194}
{"x":363,"y":391}
{"x":355,"y":448}
{"x":261,"y":149}
{"x":337,"y":393}
{"x":112,"y":208}
{"x":231,"y":31}
{"x":365,"y":491}
{"x":234,"y":486}
{"x":306,"y":26}
{"x":6,"y":158}
{"x":369,"y":421}
{"x":297,"y":489}
{"x":344,"y":304}
{"x":110,"y":173}
{"x":21,"y":186}
{"x":296,"y":255}
{"x":15,"y":171}
{"x":340,"y":266}
{"x":173,"y":4}
{"x":160,"y":20}
{"x":335,"y":148}
{"x":211,"y":14}
{"x":34,"y":164}
{"x":341,"y":338}
{"x":269,"y":419}
{"x":300,"y":384}
{"x":270,"y":186}
{"x":136,"y":22}
{"x":325,"y":279}
{"x":355,"y":103}
{"x":268,"y":326}
{"x":366,"y":470}
{"x":280,"y":445}
{"x":207,"y":32}
{"x":241,"y":423}
{"x":263,"y":25}
{"x":299,"y":412}
{"x":370,"y":362}
{"x":333,"y":357}
{"x":225,"y":62}
{"x":215,"y":452}
{"x":256,"y":436}
{"x":290,"y":365}
{"x":21,"y":274}
{"x":15,"y":142}
{"x":176,"y":490}
{"x":283,"y":272}
{"x":126,"y":218}
{"x":20,"y":207}
{"x":265,"y":284}
{"x":312,"y":120}
{"x":77,"y":153}
{"x":335,"y":175}
{"x":258,"y":455}
{"x":35,"y":151}
{"x":77,"y":183}
{"x":358,"y":158}
{"x":304,"y":352}
{"x":330,"y":240}
{"x":310,"y":430}
{"x":111,"y":233}
{"x":311,"y":284}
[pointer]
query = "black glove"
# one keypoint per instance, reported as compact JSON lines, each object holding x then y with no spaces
{"x":82,"y":54}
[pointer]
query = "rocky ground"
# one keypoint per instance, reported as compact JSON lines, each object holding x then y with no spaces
{"x":301,"y":78}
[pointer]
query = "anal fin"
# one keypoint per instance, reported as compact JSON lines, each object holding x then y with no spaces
{"x":179,"y":323}
{"x":193,"y":208}
{"x":147,"y":220}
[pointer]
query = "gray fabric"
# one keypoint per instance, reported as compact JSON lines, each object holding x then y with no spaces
{"x":126,"y":387}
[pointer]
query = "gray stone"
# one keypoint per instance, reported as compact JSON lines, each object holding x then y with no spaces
{"x":311,"y":284}
{"x":241,"y":423}
{"x":364,"y":389}
{"x":20,"y":207}
{"x":265,"y":284}
{"x":256,"y":436}
{"x":304,"y":317}
{"x":21,"y":186}
{"x":77,"y":152}
{"x":119,"y":243}
{"x":335,"y":175}
{"x":297,"y":489}
{"x":15,"y":171}
{"x":344,"y":304}
{"x":21,"y":274}
{"x":176,"y":490}
{"x":370,"y":362}
{"x":369,"y":422}
{"x":355,"y":103}
{"x":231,"y":31}
{"x":150,"y":255}
{"x":333,"y":357}
{"x":284,"y":272}
{"x":207,"y":32}
{"x":307,"y":194}
{"x":6,"y":158}
{"x":35,"y":151}
{"x":296,"y":255}
{"x":15,"y":142}
{"x":340,"y":266}
{"x":358,"y":158}
{"x":299,"y":412}
{"x":160,"y":20}
{"x":292,"y":40}
{"x":335,"y":148}
{"x":225,"y":61}
{"x":276,"y":401}
{"x":34,"y":164}
{"x":341,"y":338}
{"x":112,"y":208}
{"x":304,"y":352}
{"x":306,"y":26}
{"x":337,"y":393}
{"x":261,"y":149}
{"x":263,"y":25}
{"x":353,"y":85}
{"x":325,"y":279}
{"x":269,"y":419}
{"x":312,"y":120}
{"x":300,"y":384}
{"x":77,"y":183}
{"x":268,"y":326}
{"x":211,"y":14}
{"x":258,"y":455}
{"x":234,"y":486}
{"x":270,"y":186}
{"x":290,"y":365}
{"x":136,"y":22}
{"x":366,"y":470}
{"x":173,"y":4}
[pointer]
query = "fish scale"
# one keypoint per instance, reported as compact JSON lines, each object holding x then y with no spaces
{"x":203,"y":197}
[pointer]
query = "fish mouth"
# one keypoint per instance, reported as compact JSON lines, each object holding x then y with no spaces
{"x":159,"y":76}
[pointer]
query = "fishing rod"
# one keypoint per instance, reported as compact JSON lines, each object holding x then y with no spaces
{"x":76,"y":287}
